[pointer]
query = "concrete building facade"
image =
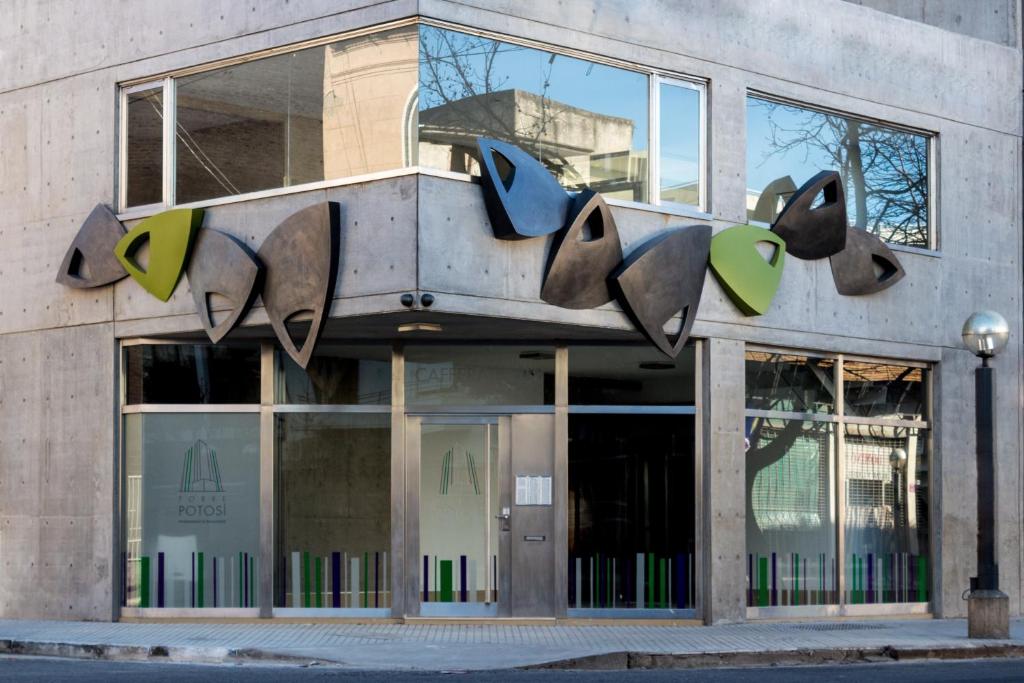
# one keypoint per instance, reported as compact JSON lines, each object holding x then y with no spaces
{"x":348,"y":488}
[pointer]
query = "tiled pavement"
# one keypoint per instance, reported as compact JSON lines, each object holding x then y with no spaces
{"x":493,"y":646}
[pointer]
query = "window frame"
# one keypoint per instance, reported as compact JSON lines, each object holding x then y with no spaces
{"x":167,"y":80}
{"x":932,"y":154}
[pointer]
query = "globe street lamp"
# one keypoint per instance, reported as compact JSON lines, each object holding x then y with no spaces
{"x":985,"y":334}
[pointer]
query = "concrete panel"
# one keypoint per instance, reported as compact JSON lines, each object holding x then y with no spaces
{"x":93,"y":34}
{"x":725,"y":540}
{"x":377,"y":252}
{"x":57,"y":471}
{"x":994,"y":20}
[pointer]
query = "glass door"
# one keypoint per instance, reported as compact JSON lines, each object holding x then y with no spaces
{"x":460,"y":517}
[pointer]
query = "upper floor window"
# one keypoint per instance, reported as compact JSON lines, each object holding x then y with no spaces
{"x":884,"y":169}
{"x":408,"y":96}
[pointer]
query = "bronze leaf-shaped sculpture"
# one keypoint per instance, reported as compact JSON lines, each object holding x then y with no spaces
{"x":818,"y":232}
{"x":582,"y":256}
{"x":224,"y":266}
{"x":853,"y":269}
{"x":90,"y":261}
{"x":301,"y":261}
{"x":663,"y":277}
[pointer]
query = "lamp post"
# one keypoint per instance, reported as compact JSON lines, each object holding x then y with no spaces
{"x":985,"y":334}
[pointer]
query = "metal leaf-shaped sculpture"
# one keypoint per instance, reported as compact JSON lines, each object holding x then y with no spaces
{"x":749,"y":280}
{"x":813,"y":233}
{"x":853,"y":269}
{"x":222,"y":265}
{"x":90,"y":261}
{"x":582,"y":256}
{"x":662,"y":277}
{"x":523,"y":199}
{"x":301,"y":261}
{"x":170,"y":235}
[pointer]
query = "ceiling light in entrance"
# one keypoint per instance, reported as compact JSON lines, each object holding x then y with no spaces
{"x":419,"y":327}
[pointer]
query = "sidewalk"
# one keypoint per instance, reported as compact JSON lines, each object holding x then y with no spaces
{"x":493,"y":646}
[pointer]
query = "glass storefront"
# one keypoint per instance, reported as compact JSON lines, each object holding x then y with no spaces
{"x":238,"y":493}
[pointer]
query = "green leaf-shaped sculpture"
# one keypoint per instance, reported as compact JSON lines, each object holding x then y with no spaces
{"x":748,"y":279}
{"x":170,"y":235}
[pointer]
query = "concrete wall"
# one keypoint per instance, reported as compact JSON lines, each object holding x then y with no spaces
{"x":57,"y":159}
{"x":995,"y":20}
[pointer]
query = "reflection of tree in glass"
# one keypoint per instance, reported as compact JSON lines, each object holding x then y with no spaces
{"x":458,"y":73}
{"x":885,"y":171}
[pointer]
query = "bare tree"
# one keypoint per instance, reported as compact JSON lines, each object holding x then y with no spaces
{"x":458,"y":72}
{"x":884,"y":171}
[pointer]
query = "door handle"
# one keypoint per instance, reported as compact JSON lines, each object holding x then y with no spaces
{"x":504,"y":517}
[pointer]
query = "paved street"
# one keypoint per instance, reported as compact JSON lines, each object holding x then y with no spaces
{"x":25,"y":669}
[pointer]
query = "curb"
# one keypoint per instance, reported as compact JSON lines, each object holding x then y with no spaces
{"x":153,"y":653}
{"x":706,"y":660}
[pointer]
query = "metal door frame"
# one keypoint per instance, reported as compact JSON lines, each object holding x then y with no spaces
{"x":414,"y":422}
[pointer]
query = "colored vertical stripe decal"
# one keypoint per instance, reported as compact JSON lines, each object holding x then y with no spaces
{"x":366,"y":578}
{"x":579,"y":582}
{"x":305,"y":578}
{"x":192,"y":586}
{"x":199,"y":577}
{"x":319,"y":582}
{"x":335,"y":579}
{"x":639,"y":580}
{"x":376,"y":579}
{"x":353,"y":578}
{"x":462,"y":577}
{"x":252,"y":581}
{"x":922,"y":578}
{"x":680,"y":574}
{"x":662,"y":591}
{"x":446,"y":581}
{"x":241,"y":583}
{"x":159,"y":580}
{"x":426,"y":578}
{"x":651,"y":578}
{"x":762,"y":581}
{"x":144,"y":580}
{"x":296,"y":578}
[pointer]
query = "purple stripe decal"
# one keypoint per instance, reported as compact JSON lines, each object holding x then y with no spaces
{"x":426,"y":578}
{"x":159,"y":579}
{"x":463,"y":593}
{"x":336,"y":579}
{"x":680,"y":581}
{"x":871,"y":577}
{"x":774,"y":594}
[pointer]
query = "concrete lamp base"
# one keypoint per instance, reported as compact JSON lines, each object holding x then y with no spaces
{"x":988,"y":614}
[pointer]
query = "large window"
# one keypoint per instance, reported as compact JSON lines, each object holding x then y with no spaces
{"x":884,"y":169}
{"x":414,"y":95}
{"x":632,"y":496}
{"x":837,"y":482}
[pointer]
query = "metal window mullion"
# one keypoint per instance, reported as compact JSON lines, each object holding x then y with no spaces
{"x":702,"y":150}
{"x":267,"y":513}
{"x":840,"y":482}
{"x":654,"y":140}
{"x":169,"y":131}
{"x":700,"y":510}
{"x":122,"y":150}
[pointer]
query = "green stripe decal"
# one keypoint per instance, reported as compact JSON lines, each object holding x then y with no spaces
{"x":922,"y":579}
{"x":762,"y":581}
{"x":144,"y":581}
{"x":446,"y":581}
{"x":305,"y":579}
